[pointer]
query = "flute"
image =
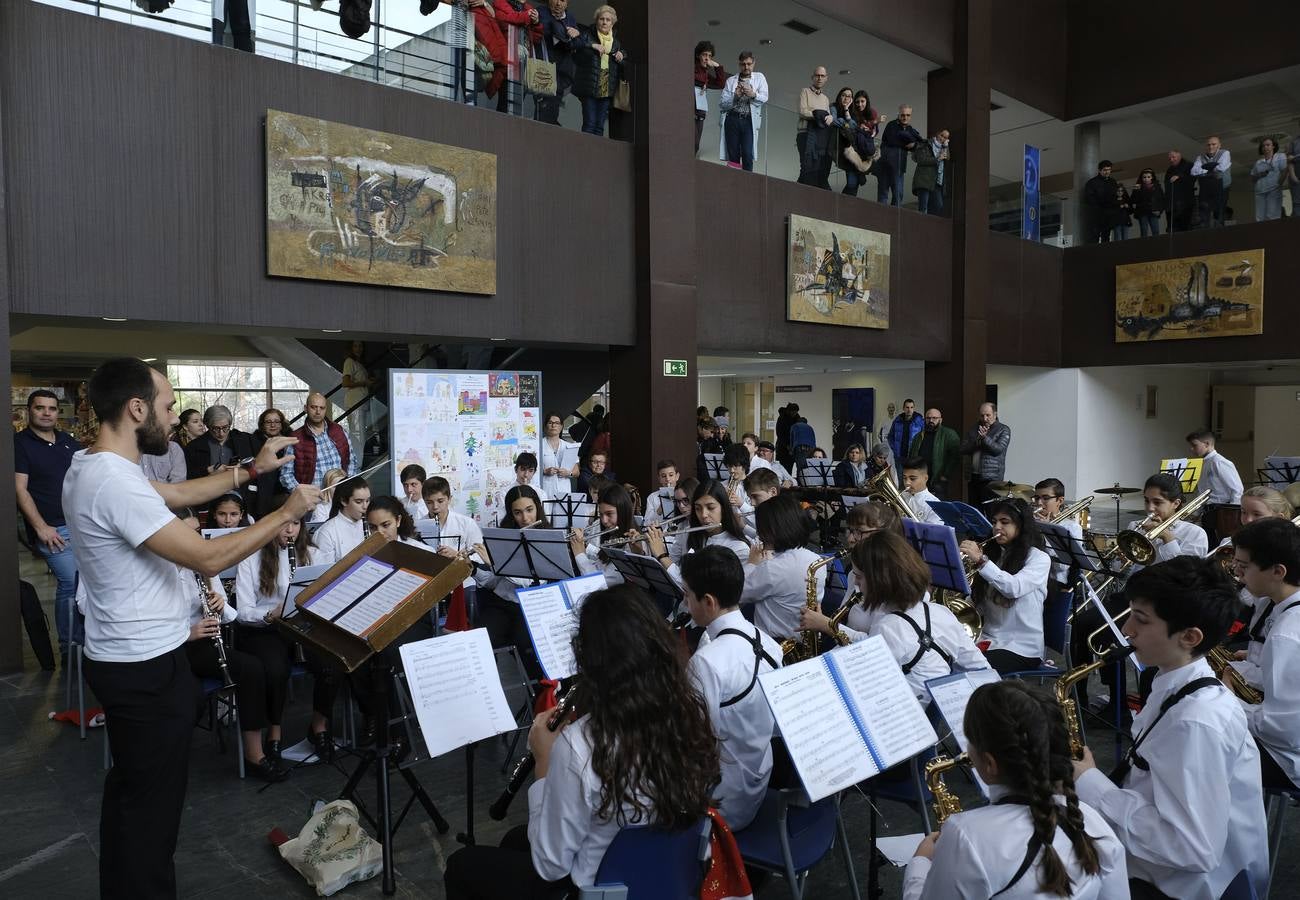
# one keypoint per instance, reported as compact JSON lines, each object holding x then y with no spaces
{"x":528,"y":762}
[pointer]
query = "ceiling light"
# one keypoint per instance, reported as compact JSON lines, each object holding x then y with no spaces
{"x":496,"y":339}
{"x":798,"y":368}
{"x":846,"y":71}
{"x":764,"y":352}
{"x":112,"y":319}
{"x":846,"y":370}
{"x":719,"y":375}
{"x":332,"y":330}
{"x":150,"y":359}
{"x":846,"y":357}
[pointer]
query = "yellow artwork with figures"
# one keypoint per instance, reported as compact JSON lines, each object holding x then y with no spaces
{"x":1220,"y":295}
{"x":351,"y":204}
{"x":837,"y":275}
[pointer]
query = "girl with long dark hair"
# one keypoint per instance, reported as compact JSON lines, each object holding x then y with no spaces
{"x":640,"y":752}
{"x":345,"y":528}
{"x":614,"y":504}
{"x":498,"y":604}
{"x":713,"y":514}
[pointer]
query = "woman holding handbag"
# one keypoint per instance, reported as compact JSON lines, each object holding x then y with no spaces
{"x":846,"y":128}
{"x":600,"y":60}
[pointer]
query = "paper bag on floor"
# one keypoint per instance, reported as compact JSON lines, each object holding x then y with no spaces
{"x":332,"y":850}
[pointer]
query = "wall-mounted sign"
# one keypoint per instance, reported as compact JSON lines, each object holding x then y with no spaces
{"x":675,"y":368}
{"x":794,"y":388}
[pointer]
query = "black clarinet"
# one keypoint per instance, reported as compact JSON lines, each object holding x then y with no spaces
{"x":205,"y":595}
{"x":299,"y":654}
{"x":527,"y":762}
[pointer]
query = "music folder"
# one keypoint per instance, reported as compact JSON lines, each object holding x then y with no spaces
{"x":1186,"y":469}
{"x":551,"y":615}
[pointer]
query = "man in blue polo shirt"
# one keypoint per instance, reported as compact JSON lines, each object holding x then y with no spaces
{"x":42,"y":455}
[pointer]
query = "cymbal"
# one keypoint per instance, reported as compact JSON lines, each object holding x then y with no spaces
{"x":1010,"y":487}
{"x":1121,"y":491}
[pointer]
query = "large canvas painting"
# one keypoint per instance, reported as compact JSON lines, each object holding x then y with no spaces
{"x":837,"y":275}
{"x":1220,"y":295}
{"x":347,"y":204}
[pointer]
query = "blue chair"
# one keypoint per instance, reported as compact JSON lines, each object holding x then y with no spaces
{"x":648,"y":863}
{"x":789,"y":836}
{"x":1056,"y":635}
{"x":913,"y":792}
{"x":1241,"y":888}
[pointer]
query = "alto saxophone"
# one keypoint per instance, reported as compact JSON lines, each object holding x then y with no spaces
{"x":1064,"y":688}
{"x":789,"y":645}
{"x":205,"y":603}
{"x":796,"y":650}
{"x":945,"y":801}
{"x":1221,"y":663}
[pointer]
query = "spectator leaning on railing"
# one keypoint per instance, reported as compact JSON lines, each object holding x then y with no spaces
{"x":1293,"y":173}
{"x":559,"y":29}
{"x":708,"y":74}
{"x":927,"y":181}
{"x":1267,"y":173}
{"x":899,"y":139}
{"x":1180,"y":192}
{"x":600,"y":60}
{"x":813,"y":139}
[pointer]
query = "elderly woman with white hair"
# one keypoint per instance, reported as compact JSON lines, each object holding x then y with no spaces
{"x":221,"y":445}
{"x":600,"y":61}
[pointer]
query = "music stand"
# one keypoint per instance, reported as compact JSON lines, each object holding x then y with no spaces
{"x":646,"y":573}
{"x":1063,"y":547}
{"x":570,"y":511}
{"x":713,"y":466}
{"x":963,"y":518}
{"x":313,"y":527}
{"x":937,"y":545}
{"x":1279,"y":471}
{"x":667,"y":503}
{"x":537,"y":554}
{"x":1186,"y":470}
{"x":431,"y":533}
{"x":816,"y":473}
{"x":329,"y":635}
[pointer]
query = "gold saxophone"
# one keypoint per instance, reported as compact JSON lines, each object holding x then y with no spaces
{"x":1221,"y":662}
{"x":1064,"y":688}
{"x":945,"y":801}
{"x":795,"y":650}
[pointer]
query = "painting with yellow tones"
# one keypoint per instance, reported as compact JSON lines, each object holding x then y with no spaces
{"x":837,"y":275}
{"x":1220,"y":295}
{"x":350,"y":204}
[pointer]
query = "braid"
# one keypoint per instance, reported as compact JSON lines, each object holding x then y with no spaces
{"x":1062,"y":773}
{"x":1035,"y":741}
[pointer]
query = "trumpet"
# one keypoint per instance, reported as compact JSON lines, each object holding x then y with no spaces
{"x":205,"y":602}
{"x":798,"y":649}
{"x":945,"y":801}
{"x":1221,"y":662}
{"x":1077,"y":508}
{"x":1064,"y":689}
{"x":1138,"y":544}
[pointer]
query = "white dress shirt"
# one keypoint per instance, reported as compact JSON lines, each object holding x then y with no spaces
{"x":778,"y":589}
{"x":903,"y":642}
{"x":681,"y":546}
{"x":1276,"y":721}
{"x":1220,"y":477}
{"x":1018,"y":627}
{"x":416,"y":509}
{"x":253,"y":604}
{"x":723,"y":668}
{"x":467,"y":534}
{"x":555,"y":485}
{"x":919,"y":504}
{"x":589,"y":564}
{"x":981,"y":850}
{"x":1196,"y":817}
{"x":565,"y":834}
{"x":655,"y":503}
{"x":1250,"y":666}
{"x":1185,"y":539}
{"x":189,"y":582}
{"x":1061,"y":571}
{"x":337,"y":538}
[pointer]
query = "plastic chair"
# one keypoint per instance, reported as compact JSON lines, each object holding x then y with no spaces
{"x":220,"y":702}
{"x":648,"y":863}
{"x":789,"y":836}
{"x":913,"y":792}
{"x":1056,"y":636}
{"x":1241,"y":888}
{"x":1276,"y":804}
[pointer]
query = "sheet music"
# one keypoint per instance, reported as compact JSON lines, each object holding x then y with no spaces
{"x":302,"y":577}
{"x":951,"y":693}
{"x":379,"y":604}
{"x":895,"y":722}
{"x":430,"y":531}
{"x":348,"y":587}
{"x":826,"y":747}
{"x":456,"y":690}
{"x":551,"y":614}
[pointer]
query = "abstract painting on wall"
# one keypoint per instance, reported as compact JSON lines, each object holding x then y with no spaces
{"x":837,"y":275}
{"x":1220,"y":295}
{"x":349,"y":204}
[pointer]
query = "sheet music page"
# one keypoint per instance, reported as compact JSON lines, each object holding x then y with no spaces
{"x":951,"y":694}
{"x":379,"y":604}
{"x":894,"y":720}
{"x":579,"y":588}
{"x":348,"y":587}
{"x":456,"y":690}
{"x":825,"y":745}
{"x":552,"y":620}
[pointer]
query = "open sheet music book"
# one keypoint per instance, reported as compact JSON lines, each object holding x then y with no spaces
{"x":847,"y":715}
{"x":360,"y":599}
{"x":551,"y":614}
{"x":456,"y":690}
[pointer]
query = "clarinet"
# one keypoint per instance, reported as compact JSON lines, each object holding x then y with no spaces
{"x":299,"y":654}
{"x":205,"y":596}
{"x":527,"y":762}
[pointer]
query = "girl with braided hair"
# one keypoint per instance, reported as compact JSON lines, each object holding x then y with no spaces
{"x":1035,"y":839}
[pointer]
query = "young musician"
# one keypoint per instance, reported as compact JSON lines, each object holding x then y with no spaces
{"x":718,"y":524}
{"x":662,"y":500}
{"x":1035,"y":839}
{"x":413,"y":478}
{"x":456,"y":532}
{"x":498,"y":605}
{"x":916,"y":490}
{"x":725,"y":667}
{"x":776,"y":574}
{"x":1186,"y":800}
{"x":245,"y":668}
{"x":1218,"y":476}
{"x":321,"y":511}
{"x":345,"y":528}
{"x":736,"y":460}
{"x":641,"y":751}
{"x":1267,"y":556}
{"x":557,"y":480}
{"x":862,"y":519}
{"x":1012,"y":587}
{"x":526,"y":473}
{"x":761,"y":485}
{"x":388,"y":516}
{"x":262,"y":586}
{"x":615,"y":508}
{"x":1257,"y":503}
{"x":925,"y":638}
{"x":227,"y":511}
{"x":1163,"y":496}
{"x":1049,"y":501}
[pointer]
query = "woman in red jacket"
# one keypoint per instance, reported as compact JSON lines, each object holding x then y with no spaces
{"x":491,"y":20}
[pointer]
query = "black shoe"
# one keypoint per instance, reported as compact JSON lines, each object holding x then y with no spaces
{"x":428,"y":6}
{"x":272,"y":749}
{"x":267,"y":770}
{"x":324,"y":744}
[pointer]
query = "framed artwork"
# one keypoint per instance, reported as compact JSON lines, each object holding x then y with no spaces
{"x":1220,"y":295}
{"x":837,"y":274}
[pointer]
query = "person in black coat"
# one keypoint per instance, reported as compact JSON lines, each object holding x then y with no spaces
{"x":222,"y":445}
{"x":594,"y":81}
{"x":898,"y":140}
{"x":1148,"y":202}
{"x":1099,"y":201}
{"x":559,"y":31}
{"x":1180,"y":192}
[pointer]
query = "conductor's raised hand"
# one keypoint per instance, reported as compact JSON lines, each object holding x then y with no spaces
{"x":267,"y":460}
{"x":302,"y":501}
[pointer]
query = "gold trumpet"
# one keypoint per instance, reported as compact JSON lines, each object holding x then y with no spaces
{"x":1077,"y":508}
{"x":945,"y":801}
{"x":796,"y":650}
{"x":1138,"y":544}
{"x":1064,"y":688}
{"x":1221,"y":662}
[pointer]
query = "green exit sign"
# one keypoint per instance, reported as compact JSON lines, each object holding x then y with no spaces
{"x":675,"y":368}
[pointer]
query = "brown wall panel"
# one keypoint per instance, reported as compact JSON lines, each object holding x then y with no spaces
{"x":1089,"y":297}
{"x":1024,"y":314}
{"x":143,"y":195}
{"x":743,"y":233}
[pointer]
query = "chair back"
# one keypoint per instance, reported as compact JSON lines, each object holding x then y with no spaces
{"x":1241,"y":888}
{"x":1056,"y":618}
{"x":657,"y":864}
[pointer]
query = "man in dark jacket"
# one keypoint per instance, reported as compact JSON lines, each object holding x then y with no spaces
{"x":899,"y":139}
{"x":1099,"y":203}
{"x":559,"y":28}
{"x":986,"y":444}
{"x":940,"y":447}
{"x":1180,"y":192}
{"x":906,"y":426}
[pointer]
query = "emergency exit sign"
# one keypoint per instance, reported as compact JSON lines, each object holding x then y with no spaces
{"x":675,"y":368}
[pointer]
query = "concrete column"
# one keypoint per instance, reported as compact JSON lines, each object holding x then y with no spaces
{"x":1087,"y":153}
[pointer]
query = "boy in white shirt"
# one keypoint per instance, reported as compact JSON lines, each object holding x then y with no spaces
{"x":413,"y":477}
{"x":526,"y":473}
{"x":1218,"y":476}
{"x":916,"y":490}
{"x":1186,"y":800}
{"x":761,"y":485}
{"x":659,"y":505}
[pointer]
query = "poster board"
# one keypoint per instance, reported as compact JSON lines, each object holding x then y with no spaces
{"x":466,"y":426}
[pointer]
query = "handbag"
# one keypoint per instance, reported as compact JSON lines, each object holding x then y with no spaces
{"x":332,"y":850}
{"x":539,"y":73}
{"x":623,"y":96}
{"x":483,"y":60}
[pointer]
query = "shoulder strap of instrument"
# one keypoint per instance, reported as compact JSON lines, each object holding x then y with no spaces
{"x":925,"y":641}
{"x":1132,"y":757}
{"x":760,"y":655}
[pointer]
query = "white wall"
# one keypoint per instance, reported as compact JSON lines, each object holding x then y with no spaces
{"x":710,"y":393}
{"x":1277,"y":425}
{"x":1039,"y":407}
{"x":892,"y":386}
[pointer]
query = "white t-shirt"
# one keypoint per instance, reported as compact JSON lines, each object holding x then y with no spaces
{"x":337,"y":538}
{"x":134,"y":608}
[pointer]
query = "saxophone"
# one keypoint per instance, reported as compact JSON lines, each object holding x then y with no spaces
{"x":795,"y":650}
{"x":1064,"y":689}
{"x":789,"y":646}
{"x":205,"y":598}
{"x":1221,"y":662}
{"x":945,"y":801}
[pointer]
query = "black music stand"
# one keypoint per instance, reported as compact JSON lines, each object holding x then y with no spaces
{"x":667,"y":503}
{"x":937,"y":545}
{"x":648,"y":574}
{"x":1279,"y":471}
{"x":430,"y":531}
{"x":1181,"y":468}
{"x":570,"y":511}
{"x":816,"y":473}
{"x":713,"y":466}
{"x":1063,"y":547}
{"x":963,"y":518}
{"x":537,"y":554}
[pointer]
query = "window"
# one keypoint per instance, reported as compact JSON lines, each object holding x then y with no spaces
{"x":247,"y":387}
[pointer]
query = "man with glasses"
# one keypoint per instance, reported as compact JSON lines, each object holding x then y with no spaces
{"x":814,"y":137}
{"x":220,"y":447}
{"x":899,"y":139}
{"x":939,"y":446}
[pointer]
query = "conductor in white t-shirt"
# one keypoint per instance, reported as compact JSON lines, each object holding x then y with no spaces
{"x":128,"y":547}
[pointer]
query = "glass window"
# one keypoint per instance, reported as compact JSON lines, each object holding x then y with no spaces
{"x":246,"y":387}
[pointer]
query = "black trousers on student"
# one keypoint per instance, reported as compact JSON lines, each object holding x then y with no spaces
{"x":505,"y":625}
{"x":276,"y":653}
{"x":149,"y":708}
{"x":1145,"y":890}
{"x":500,"y":873}
{"x":1005,"y":662}
{"x":1271,"y":773}
{"x":362,"y":680}
{"x":250,"y":679}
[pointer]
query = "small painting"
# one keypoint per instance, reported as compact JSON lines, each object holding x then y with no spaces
{"x":1219,"y":295}
{"x":837,"y":274}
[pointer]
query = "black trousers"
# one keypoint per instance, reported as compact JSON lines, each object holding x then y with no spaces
{"x":500,"y":873}
{"x":149,"y":707}
{"x":505,"y":625}
{"x":250,"y":679}
{"x":276,"y":653}
{"x":1005,"y":662}
{"x":1271,"y":773}
{"x":1145,"y":890}
{"x":363,"y":679}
